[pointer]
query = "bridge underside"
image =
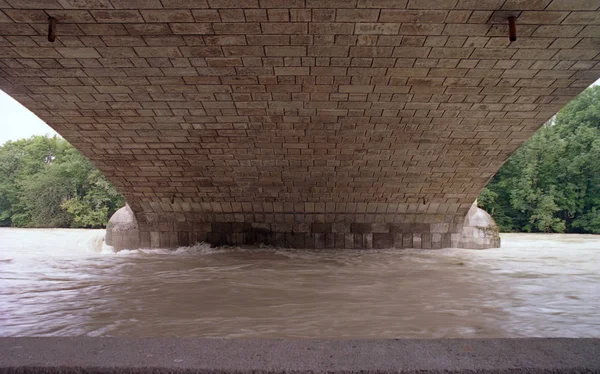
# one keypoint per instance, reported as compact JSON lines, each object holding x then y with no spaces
{"x":308,"y":123}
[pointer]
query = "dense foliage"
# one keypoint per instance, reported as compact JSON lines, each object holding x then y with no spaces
{"x":552,"y":183}
{"x":45,"y":182}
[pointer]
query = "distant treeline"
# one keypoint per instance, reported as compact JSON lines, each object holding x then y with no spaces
{"x":552,"y":182}
{"x":45,"y":182}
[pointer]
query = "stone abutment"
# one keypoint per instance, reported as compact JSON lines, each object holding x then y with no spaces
{"x":341,"y":231}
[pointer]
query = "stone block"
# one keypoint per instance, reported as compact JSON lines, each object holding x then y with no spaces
{"x":183,"y":238}
{"x":416,"y":241}
{"x":383,"y":240}
{"x":339,"y":241}
{"x":241,"y":227}
{"x":232,"y":15}
{"x":164,"y":239}
{"x":357,"y":15}
{"x":412,"y":16}
{"x":184,"y":226}
{"x":330,"y":241}
{"x":348,"y":241}
{"x":398,"y":240}
{"x":284,"y":28}
{"x":292,"y":70}
{"x":380,"y":228}
{"x":155,"y":239}
{"x":542,"y":17}
{"x":341,"y":227}
{"x":361,"y":228}
{"x":221,"y":227}
{"x":573,"y":5}
{"x":426,"y":240}
{"x":321,"y":227}
{"x":78,"y":52}
{"x":163,"y":15}
{"x":236,"y":28}
{"x":238,"y":238}
{"x":192,"y":28}
{"x":285,"y":51}
{"x":331,"y":28}
{"x":299,"y":240}
{"x":319,"y":240}
{"x":233,"y":3}
{"x":379,"y":29}
{"x":446,"y":240}
{"x":117,"y":16}
{"x":145,"y":241}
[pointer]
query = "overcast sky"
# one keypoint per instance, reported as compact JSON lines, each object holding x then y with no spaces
{"x":16,"y":122}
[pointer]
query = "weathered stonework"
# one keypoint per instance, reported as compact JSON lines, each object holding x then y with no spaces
{"x":477,"y":231}
{"x":122,"y":230}
{"x":287,"y":114}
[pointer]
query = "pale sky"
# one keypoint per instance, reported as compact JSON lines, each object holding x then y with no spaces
{"x":17,"y":122}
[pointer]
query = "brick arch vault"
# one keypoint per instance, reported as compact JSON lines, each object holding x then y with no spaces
{"x":305,"y":123}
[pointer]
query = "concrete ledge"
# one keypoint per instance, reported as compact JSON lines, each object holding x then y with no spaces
{"x":170,"y":355}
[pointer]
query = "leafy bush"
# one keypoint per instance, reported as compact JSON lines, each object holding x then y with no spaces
{"x":552,"y":182}
{"x":45,"y":182}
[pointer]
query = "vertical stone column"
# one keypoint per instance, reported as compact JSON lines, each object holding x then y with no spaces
{"x":122,"y":230}
{"x":479,"y":231}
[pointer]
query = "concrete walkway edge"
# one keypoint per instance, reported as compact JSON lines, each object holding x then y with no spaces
{"x":172,"y":355}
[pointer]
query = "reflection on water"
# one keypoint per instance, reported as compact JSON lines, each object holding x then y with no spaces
{"x":63,"y":283}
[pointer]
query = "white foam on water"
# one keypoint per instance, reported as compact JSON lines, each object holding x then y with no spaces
{"x":206,"y":249}
{"x":196,"y":249}
{"x":107,"y":249}
{"x":543,"y":241}
{"x":97,"y":244}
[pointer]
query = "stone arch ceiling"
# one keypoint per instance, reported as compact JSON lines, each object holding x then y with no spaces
{"x":301,"y":106}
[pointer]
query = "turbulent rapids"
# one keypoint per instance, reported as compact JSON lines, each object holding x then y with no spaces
{"x":69,"y":283}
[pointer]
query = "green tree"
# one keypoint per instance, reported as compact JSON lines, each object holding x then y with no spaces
{"x":10,"y":162}
{"x":552,"y":182}
{"x":45,"y":182}
{"x":97,"y":204}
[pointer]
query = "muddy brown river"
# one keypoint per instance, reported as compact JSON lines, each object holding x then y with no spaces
{"x":67,"y":283}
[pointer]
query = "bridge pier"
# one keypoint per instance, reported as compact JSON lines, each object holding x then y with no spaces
{"x":477,"y":230}
{"x":122,"y":230}
{"x":277,"y":121}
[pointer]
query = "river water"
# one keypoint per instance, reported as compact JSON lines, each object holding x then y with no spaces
{"x":66,"y":283}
